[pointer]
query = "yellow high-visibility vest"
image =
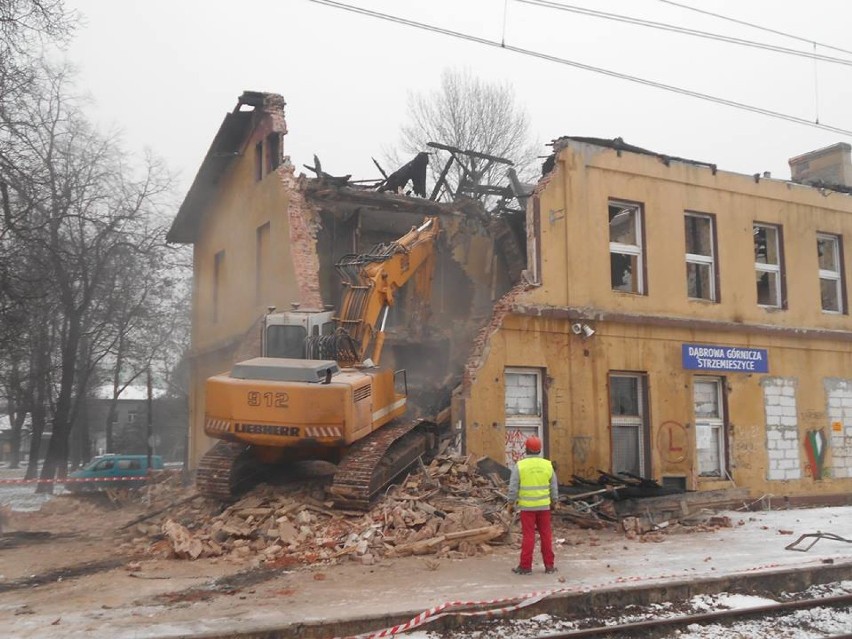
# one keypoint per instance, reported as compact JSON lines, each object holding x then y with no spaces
{"x":535,"y":474}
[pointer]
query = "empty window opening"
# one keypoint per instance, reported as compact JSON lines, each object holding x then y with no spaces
{"x":261,"y":267}
{"x":258,"y":161}
{"x":768,"y":265}
{"x":629,"y":424}
{"x":625,"y":247}
{"x":700,"y":257}
{"x":273,"y":151}
{"x":830,"y":273}
{"x":709,"y":408}
{"x":218,"y":275}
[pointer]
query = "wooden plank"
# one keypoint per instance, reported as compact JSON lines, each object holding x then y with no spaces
{"x":677,"y":503}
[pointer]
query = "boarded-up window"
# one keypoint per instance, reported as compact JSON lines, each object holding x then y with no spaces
{"x":523,"y":408}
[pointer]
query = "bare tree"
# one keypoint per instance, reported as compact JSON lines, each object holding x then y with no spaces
{"x":78,"y":210}
{"x":469,"y":114}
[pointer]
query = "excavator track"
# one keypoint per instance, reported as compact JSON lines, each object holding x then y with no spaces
{"x":374,"y":462}
{"x":225,"y":471}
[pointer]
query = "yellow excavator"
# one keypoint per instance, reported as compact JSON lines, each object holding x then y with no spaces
{"x":319,"y":391}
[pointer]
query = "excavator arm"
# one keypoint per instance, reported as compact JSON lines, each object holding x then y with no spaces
{"x":370,"y":285}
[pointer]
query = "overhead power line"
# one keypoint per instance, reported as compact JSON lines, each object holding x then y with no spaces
{"x":756,"y":26}
{"x":548,"y":4}
{"x":578,"y":65}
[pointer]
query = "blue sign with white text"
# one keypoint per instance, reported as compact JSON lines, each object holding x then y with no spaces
{"x":704,"y":357}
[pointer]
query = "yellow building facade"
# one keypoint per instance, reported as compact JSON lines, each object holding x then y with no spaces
{"x":679,"y":323}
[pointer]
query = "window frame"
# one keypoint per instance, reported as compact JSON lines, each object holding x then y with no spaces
{"x":704,"y":260}
{"x":718,"y":424}
{"x":633,"y":250}
{"x":778,"y":269}
{"x":835,"y":276}
{"x":641,"y":422}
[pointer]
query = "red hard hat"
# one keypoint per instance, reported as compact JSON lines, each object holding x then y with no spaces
{"x":533,"y":444}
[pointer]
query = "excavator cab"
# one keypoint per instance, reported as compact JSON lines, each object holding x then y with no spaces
{"x":287,"y":334}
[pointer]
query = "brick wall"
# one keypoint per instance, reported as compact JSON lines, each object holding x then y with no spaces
{"x":304,"y":224}
{"x":839,"y":394}
{"x":782,"y":428}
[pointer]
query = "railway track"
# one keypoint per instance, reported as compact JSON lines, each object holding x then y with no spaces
{"x":659,"y":626}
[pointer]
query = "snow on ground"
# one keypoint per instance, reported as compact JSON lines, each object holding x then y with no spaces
{"x":801,"y":624}
{"x":21,"y":497}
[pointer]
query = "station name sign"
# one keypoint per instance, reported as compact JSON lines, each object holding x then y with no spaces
{"x":704,"y":357}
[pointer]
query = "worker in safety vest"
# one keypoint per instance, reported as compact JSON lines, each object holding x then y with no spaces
{"x":533,"y":488}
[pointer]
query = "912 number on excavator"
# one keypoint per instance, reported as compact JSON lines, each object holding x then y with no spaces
{"x":270,"y":400}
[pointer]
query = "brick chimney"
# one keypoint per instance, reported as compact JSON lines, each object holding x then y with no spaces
{"x":830,"y":166}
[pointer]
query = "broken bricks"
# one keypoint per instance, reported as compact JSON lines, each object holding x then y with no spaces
{"x":446,"y":509}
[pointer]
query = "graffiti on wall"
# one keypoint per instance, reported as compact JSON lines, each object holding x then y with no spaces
{"x":672,"y":442}
{"x":515,"y":450}
{"x":816,"y":443}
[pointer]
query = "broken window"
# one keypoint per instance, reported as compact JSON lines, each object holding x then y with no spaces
{"x":709,"y":425}
{"x":700,"y":257}
{"x":628,"y":423}
{"x":273,"y":151}
{"x":218,"y":274}
{"x":260,"y":259}
{"x":258,"y":161}
{"x":768,"y":265}
{"x":830,"y":273}
{"x":625,"y":247}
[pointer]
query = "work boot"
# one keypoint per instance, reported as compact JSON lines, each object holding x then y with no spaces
{"x":549,"y":570}
{"x":521,"y":571}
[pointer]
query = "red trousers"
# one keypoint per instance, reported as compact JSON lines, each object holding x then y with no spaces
{"x":530,"y":521}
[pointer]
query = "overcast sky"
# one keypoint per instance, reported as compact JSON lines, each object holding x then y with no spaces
{"x":165,"y":72}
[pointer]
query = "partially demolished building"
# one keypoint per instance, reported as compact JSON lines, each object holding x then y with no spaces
{"x":649,"y":315}
{"x":264,"y":237}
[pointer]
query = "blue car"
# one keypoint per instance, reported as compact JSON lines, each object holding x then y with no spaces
{"x":113,"y":471}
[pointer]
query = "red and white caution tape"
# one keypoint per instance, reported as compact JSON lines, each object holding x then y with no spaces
{"x":461,"y":609}
{"x":71,"y":480}
{"x":468,"y":608}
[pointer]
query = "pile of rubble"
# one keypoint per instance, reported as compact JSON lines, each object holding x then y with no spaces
{"x":446,"y":509}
